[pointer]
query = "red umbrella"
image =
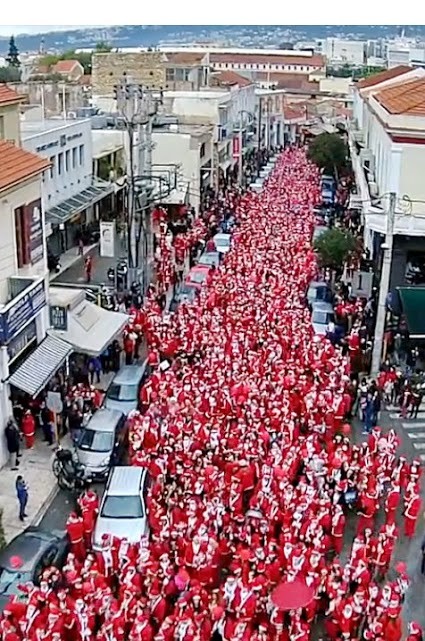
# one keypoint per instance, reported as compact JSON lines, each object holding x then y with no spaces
{"x":291,"y":595}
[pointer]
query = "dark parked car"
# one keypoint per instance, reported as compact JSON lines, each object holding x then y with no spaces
{"x":25,"y":558}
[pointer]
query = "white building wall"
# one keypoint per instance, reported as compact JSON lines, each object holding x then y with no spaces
{"x":68,"y":145}
{"x":412,"y":183}
{"x":346,"y":51}
{"x":177,"y":149}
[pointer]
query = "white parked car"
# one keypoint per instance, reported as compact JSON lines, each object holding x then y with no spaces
{"x":222,"y":243}
{"x":123,"y":511}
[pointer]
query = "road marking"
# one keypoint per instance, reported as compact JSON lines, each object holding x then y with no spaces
{"x":416,"y":435}
{"x":420,"y":425}
{"x":419,"y":446}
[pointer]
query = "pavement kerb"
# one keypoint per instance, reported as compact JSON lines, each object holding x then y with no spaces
{"x":45,"y":506}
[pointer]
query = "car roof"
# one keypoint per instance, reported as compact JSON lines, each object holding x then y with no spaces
{"x":104,"y":420}
{"x":322,"y":306}
{"x":318,"y":283}
{"x":125,"y":480}
{"x":129,"y":374}
{"x":28,"y":546}
{"x":222,"y":236}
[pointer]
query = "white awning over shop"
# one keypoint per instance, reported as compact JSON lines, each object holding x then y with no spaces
{"x":91,"y":328}
{"x":37,"y":370}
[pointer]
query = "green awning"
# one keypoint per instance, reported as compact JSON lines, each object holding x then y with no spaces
{"x":413,"y":304}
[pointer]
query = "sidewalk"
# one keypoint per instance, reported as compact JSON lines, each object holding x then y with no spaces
{"x":36,"y":468}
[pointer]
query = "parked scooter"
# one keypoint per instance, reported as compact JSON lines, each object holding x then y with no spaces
{"x":70,"y":474}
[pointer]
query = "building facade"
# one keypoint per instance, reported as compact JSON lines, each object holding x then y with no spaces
{"x":387,"y":142}
{"x":339,"y":51}
{"x":71,"y":195}
{"x":23,"y":263}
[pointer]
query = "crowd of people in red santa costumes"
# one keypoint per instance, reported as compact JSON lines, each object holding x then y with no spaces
{"x":253,"y":469}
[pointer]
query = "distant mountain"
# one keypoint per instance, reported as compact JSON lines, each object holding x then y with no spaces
{"x":237,"y":35}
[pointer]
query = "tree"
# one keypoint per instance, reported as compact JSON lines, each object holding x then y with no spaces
{"x":10,"y":74}
{"x":12,"y":57}
{"x":102,"y":47}
{"x":334,"y":247}
{"x":329,"y":152}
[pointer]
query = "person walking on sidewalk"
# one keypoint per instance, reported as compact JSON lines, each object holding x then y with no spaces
{"x":13,"y":437}
{"x":22,"y":494}
{"x":88,"y":267}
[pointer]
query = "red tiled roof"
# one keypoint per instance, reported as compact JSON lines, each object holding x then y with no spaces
{"x":266,"y":58}
{"x":65,"y":66}
{"x":185,"y":57}
{"x":230,"y":78}
{"x":383,"y":76}
{"x":9,"y":96}
{"x":404,"y":98}
{"x":18,"y":165}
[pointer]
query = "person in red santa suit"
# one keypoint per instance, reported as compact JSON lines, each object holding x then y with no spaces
{"x":392,"y":622}
{"x":141,"y":629}
{"x":412,"y":508}
{"x":28,"y":429}
{"x":157,"y":605}
{"x":366,"y":513}
{"x":337,"y":529}
{"x":107,"y":557}
{"x":75,"y":531}
{"x":414,"y":631}
{"x":392,"y":502}
{"x":244,"y":603}
{"x":383,"y":553}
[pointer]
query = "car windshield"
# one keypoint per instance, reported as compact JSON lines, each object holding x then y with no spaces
{"x":207,"y":260}
{"x":10,"y":580}
{"x":187,"y":291}
{"x":122,"y":392}
{"x":322,"y":318}
{"x":96,"y":441}
{"x":198,"y":277}
{"x":222,"y":242}
{"x":122,"y":507}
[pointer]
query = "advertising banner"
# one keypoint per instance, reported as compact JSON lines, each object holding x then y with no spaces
{"x":107,"y":239}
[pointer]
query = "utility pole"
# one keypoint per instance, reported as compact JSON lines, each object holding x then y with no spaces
{"x":384,"y":286}
{"x":136,"y":105}
{"x":240,"y":159}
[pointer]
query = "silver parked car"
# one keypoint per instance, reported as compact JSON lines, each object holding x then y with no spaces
{"x":222,"y":243}
{"x":322,"y":317}
{"x":123,"y":392}
{"x":122,"y":511}
{"x":319,"y":291}
{"x":210,"y":258}
{"x":102,"y":442}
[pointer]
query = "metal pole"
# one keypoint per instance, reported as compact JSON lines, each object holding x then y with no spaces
{"x":240,"y":173}
{"x":384,"y":286}
{"x":260,"y":124}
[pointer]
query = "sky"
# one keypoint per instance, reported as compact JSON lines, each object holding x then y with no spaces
{"x":8,"y":30}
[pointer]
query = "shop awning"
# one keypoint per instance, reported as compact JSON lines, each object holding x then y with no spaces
{"x":413,"y":304}
{"x":74,"y":205}
{"x":91,"y":328}
{"x":37,"y":370}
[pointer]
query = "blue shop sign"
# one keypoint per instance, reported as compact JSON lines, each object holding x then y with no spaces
{"x":18,"y":344}
{"x":24,"y":310}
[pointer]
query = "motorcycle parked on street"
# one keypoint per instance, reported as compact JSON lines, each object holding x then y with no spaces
{"x":69,"y":473}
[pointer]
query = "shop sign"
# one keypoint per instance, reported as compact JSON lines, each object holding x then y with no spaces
{"x":59,"y":317}
{"x":35,"y":226}
{"x":24,"y":310}
{"x":236,"y":147}
{"x":107,"y":239}
{"x":18,"y":344}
